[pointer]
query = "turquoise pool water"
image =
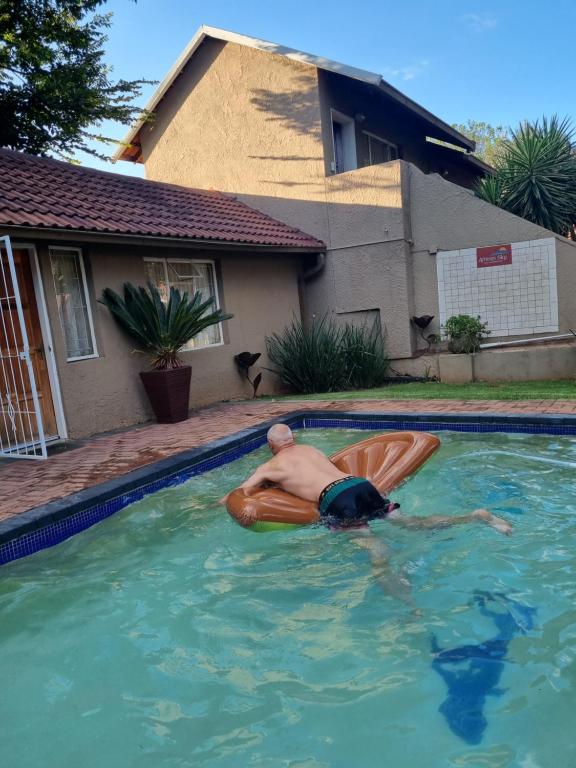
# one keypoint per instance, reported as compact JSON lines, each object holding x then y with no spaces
{"x":169,"y":637}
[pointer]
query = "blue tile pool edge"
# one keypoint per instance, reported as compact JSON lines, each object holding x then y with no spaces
{"x":56,"y":521}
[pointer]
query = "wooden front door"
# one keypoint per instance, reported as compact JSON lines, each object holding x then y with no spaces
{"x":10,"y":340}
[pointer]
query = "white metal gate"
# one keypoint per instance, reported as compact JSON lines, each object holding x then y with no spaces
{"x":21,"y":429}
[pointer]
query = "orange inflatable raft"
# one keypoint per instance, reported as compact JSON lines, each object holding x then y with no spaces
{"x":385,"y":460}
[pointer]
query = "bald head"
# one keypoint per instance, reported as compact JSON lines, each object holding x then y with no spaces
{"x":279,"y":436}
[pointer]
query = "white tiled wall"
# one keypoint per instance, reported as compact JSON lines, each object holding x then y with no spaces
{"x":514,"y":299}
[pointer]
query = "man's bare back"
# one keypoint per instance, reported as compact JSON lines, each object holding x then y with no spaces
{"x":301,"y":470}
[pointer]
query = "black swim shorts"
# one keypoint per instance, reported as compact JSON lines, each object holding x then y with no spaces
{"x":352,"y":501}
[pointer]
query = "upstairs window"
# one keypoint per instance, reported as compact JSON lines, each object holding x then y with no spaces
{"x":191,"y":276}
{"x":380,"y":150}
{"x":344,"y":139}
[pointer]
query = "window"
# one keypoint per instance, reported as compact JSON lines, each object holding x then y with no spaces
{"x":379,"y":150}
{"x":73,"y":302}
{"x":344,"y":139}
{"x":191,"y":276}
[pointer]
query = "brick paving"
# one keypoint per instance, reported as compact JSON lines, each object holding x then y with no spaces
{"x":27,"y":484}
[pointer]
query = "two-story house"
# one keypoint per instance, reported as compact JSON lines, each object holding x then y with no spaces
{"x":338,"y":152}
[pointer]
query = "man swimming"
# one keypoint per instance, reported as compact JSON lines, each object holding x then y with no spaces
{"x":349,"y":503}
{"x":344,"y":501}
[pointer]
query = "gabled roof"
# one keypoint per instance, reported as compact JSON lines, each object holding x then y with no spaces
{"x":441,"y":130}
{"x":50,"y":194}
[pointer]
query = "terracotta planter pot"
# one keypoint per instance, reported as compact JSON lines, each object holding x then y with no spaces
{"x":168,"y":392}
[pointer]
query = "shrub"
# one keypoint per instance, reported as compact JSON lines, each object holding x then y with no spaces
{"x":366,"y":361}
{"x":308,"y":359}
{"x":328,"y":357}
{"x":465,"y":333}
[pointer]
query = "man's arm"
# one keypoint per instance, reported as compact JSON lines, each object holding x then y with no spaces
{"x":266,"y":473}
{"x":447,"y":521}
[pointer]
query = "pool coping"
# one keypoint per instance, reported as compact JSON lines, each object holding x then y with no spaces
{"x":45,"y":525}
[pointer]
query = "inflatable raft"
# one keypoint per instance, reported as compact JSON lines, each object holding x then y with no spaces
{"x":385,"y":460}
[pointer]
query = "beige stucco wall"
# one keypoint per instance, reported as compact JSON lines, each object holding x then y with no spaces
{"x":534,"y":362}
{"x":368,"y":263}
{"x":106,"y":393}
{"x":251,"y":123}
{"x":445,"y":217}
{"x":246,"y":122}
{"x":531,"y":363}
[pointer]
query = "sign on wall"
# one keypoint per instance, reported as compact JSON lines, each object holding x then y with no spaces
{"x":494,"y":256}
{"x":512,"y":286}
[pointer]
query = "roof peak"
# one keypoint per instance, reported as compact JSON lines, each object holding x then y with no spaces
{"x":364,"y":75}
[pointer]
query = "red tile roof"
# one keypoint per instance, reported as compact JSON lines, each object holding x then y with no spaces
{"x":44,"y":193}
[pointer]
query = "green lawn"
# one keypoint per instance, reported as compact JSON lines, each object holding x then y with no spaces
{"x":526,"y":390}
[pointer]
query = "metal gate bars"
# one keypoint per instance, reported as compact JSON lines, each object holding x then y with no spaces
{"x":21,"y":429}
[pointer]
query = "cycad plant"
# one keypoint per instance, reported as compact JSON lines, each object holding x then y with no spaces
{"x":536,"y":175}
{"x":161,"y":328}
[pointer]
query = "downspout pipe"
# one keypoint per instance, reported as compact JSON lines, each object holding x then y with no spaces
{"x":316,"y":269}
{"x":308,"y":275}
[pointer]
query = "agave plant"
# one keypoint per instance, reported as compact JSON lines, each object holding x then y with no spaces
{"x":536,"y":175}
{"x":161,"y":328}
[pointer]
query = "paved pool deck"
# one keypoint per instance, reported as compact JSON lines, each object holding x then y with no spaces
{"x":28,"y":484}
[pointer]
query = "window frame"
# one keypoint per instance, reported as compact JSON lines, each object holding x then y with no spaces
{"x":382,"y":141}
{"x":349,"y":144}
{"x":212,"y":263}
{"x":80,"y":255}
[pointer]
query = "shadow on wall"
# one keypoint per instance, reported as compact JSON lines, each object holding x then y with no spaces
{"x":368,"y":178}
{"x":336,"y":218}
{"x":296,"y":110}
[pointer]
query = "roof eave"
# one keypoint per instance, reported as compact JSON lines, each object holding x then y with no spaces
{"x":455,"y":136}
{"x":159,"y":94}
{"x":190,"y":242}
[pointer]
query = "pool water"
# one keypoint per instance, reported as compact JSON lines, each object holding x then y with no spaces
{"x":167,"y":636}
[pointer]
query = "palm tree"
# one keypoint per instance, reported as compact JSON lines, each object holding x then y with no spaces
{"x":536,"y":175}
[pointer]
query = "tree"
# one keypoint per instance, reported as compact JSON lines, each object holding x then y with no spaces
{"x":536,"y":175}
{"x":55,"y":88}
{"x":489,"y":138}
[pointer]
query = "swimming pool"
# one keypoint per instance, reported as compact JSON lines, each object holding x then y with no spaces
{"x":169,"y":636}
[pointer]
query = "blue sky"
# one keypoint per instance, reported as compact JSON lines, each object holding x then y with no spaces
{"x":495,"y":61}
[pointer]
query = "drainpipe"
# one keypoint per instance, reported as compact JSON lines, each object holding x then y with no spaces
{"x":307,"y":275}
{"x":316,"y":269}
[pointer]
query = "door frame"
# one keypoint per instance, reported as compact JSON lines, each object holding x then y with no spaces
{"x":46,"y":340}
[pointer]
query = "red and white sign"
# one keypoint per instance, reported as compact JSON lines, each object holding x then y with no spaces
{"x":494,"y":256}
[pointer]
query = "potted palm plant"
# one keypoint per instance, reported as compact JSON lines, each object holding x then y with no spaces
{"x":161,"y":329}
